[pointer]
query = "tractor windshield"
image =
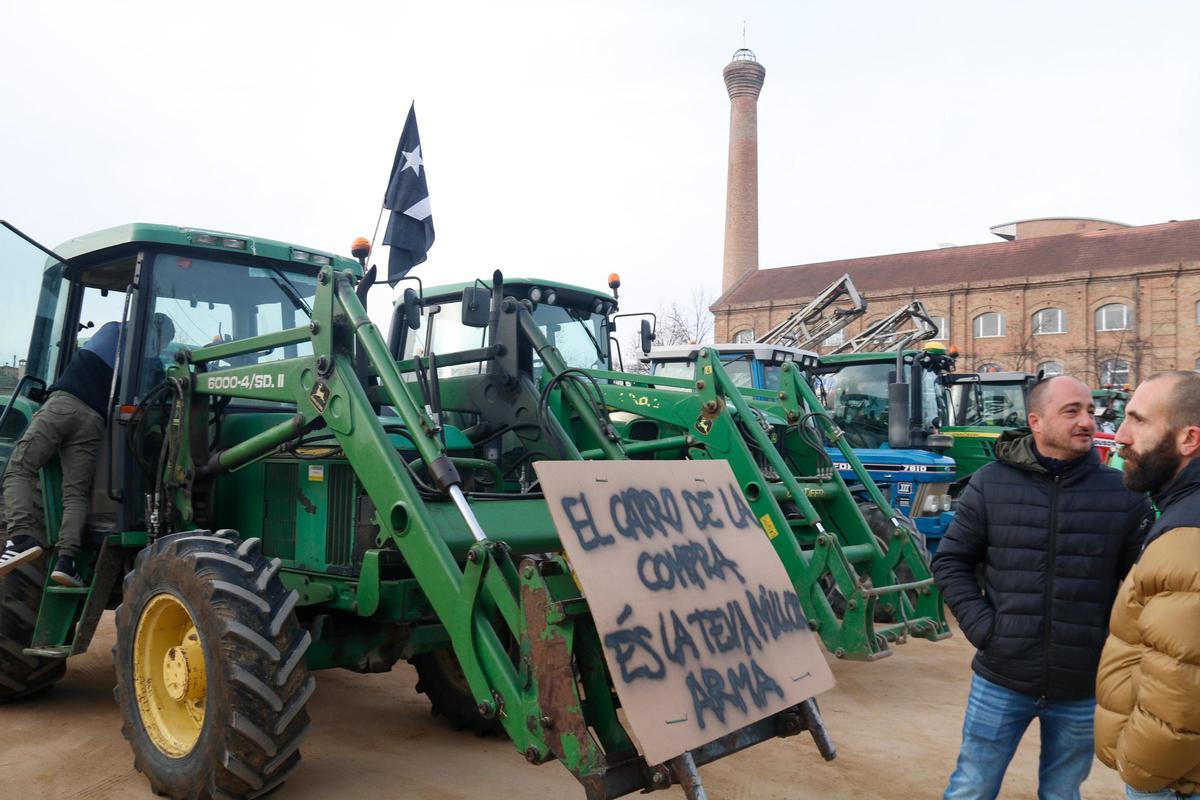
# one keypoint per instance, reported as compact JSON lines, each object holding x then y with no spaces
{"x":994,"y":405}
{"x":210,"y":301}
{"x":856,"y":396}
{"x":857,"y":399}
{"x":581,"y":337}
{"x":740,"y":370}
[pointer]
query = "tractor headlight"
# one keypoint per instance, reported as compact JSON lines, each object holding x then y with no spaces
{"x":931,"y":498}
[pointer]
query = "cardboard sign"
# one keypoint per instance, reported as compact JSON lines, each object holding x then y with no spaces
{"x":702,"y":630}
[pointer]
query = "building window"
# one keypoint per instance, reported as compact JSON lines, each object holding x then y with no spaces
{"x":988,"y":367}
{"x":1049,"y":320}
{"x":1198,"y":365}
{"x":834,"y":339}
{"x":744,"y":336}
{"x":1113,"y":317}
{"x":1198,"y":312}
{"x":989,"y":325}
{"x":1050,"y":368}
{"x":940,"y":322}
{"x":1114,"y":371}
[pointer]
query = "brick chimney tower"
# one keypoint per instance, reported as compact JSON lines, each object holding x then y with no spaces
{"x":744,"y":79}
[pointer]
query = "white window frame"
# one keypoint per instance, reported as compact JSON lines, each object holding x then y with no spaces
{"x":1058,"y":314}
{"x":744,"y":336}
{"x":1043,"y":366}
{"x":1107,"y":366}
{"x":940,"y":322}
{"x":989,"y":366}
{"x":1102,"y":317}
{"x":977,"y":325}
{"x":835,"y":338}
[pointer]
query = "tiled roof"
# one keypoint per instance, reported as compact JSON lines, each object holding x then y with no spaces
{"x":1095,"y":251}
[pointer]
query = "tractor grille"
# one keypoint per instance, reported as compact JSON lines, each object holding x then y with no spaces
{"x":339,"y":519}
{"x":279,"y":510}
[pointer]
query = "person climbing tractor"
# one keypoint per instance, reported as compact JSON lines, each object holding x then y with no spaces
{"x":69,"y":424}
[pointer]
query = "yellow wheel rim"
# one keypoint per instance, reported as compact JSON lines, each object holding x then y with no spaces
{"x":170,"y":681}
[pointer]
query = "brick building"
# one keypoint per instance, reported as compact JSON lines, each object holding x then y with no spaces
{"x":1104,"y":301}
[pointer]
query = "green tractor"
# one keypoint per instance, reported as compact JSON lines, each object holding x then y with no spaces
{"x":983,"y":406}
{"x":987,"y":404}
{"x":1110,"y":403}
{"x":277,"y":495}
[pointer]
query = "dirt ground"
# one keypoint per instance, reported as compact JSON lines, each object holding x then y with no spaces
{"x":895,"y":722}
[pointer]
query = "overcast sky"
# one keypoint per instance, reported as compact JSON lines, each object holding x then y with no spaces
{"x":571,"y":139}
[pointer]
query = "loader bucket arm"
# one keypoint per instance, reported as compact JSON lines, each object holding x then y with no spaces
{"x":717,"y":419}
{"x":823,"y":317}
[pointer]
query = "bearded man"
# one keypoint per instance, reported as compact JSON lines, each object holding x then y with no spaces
{"x":1148,"y":686}
{"x":1054,"y":532}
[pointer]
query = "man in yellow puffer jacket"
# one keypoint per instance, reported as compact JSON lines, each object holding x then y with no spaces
{"x":1148,"y":684}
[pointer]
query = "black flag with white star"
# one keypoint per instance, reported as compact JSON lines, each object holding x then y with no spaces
{"x":410,"y":227}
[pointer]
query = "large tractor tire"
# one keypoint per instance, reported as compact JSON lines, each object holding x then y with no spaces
{"x":441,"y":679}
{"x":210,"y":668}
{"x":881,"y":529}
{"x":20,"y":598}
{"x":887,"y":607}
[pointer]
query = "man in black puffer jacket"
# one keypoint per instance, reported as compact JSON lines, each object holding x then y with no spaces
{"x":1055,"y":532}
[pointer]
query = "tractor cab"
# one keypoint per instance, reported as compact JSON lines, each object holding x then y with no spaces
{"x":983,"y":406}
{"x":884,"y":400}
{"x":454,"y":318}
{"x":171,"y":289}
{"x":756,"y":366}
{"x":989,"y":399}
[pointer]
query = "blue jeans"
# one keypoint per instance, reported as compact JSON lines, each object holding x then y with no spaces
{"x":996,"y":720}
{"x":1162,"y":794}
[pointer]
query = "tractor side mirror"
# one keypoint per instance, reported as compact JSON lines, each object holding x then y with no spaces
{"x":412,"y":309}
{"x":476,"y":306}
{"x":898,"y":411}
{"x":646,"y":336}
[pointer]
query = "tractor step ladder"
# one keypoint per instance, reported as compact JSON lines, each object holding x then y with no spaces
{"x":820,"y":319}
{"x":68,"y":615}
{"x":897,"y":331}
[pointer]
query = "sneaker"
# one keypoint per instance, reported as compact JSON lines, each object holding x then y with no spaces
{"x":17,"y":551}
{"x":65,"y":573}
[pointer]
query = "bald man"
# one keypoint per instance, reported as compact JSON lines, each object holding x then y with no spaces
{"x":1054,"y":532}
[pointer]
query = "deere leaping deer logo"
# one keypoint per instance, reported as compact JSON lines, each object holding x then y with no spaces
{"x":319,"y":395}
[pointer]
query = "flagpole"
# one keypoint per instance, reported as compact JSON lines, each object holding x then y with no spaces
{"x":378,"y":220}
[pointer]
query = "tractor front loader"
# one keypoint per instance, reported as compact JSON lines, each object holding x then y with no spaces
{"x":277,"y":494}
{"x":860,"y":570}
{"x":860,"y":567}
